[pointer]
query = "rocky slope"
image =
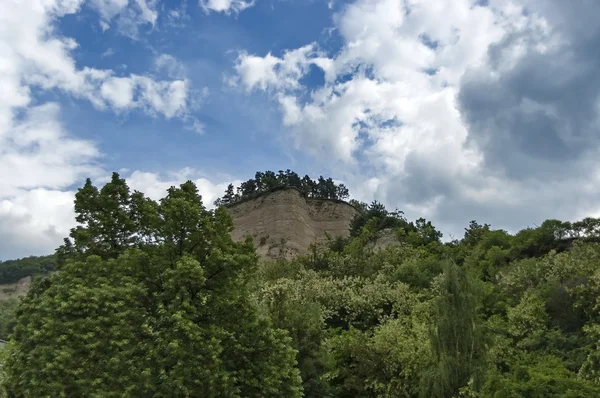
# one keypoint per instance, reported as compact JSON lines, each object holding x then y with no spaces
{"x":283,"y":223}
{"x":14,"y":290}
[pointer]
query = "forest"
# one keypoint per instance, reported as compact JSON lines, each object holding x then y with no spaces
{"x":156,"y":300}
{"x":13,"y":270}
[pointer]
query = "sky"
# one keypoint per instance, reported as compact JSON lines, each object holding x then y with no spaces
{"x":452,"y":110}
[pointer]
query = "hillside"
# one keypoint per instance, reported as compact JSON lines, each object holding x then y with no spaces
{"x":16,"y":275}
{"x":283,"y":223}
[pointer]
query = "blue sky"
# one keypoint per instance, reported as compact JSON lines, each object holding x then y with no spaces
{"x":205,"y":47}
{"x":453,"y":111}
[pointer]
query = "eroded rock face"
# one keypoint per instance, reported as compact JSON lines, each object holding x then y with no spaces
{"x":283,"y":223}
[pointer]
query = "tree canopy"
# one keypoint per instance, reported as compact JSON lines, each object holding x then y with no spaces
{"x":490,"y":315}
{"x":321,"y":188}
{"x":151,"y":299}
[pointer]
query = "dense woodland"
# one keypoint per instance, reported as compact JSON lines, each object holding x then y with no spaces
{"x":267,"y":181}
{"x":13,"y":270}
{"x":157,"y":300}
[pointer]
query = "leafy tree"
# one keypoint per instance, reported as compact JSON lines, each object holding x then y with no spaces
{"x":293,"y":180}
{"x":541,"y":376}
{"x":7,"y":317}
{"x":308,"y":186}
{"x":171,"y":317}
{"x":457,"y":344}
{"x":229,"y":195}
{"x":106,"y":220}
{"x":380,"y":218}
{"x":249,"y":188}
{"x":267,"y":181}
{"x":474,"y":233}
{"x":426,"y":232}
{"x":342,"y":192}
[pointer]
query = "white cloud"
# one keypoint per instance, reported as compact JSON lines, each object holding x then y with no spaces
{"x":108,"y":9}
{"x":170,"y":65}
{"x":118,"y":91}
{"x":34,"y":222}
{"x":147,"y":13}
{"x":129,"y":14}
{"x":270,"y":72}
{"x":155,"y":186}
{"x":167,"y":98}
{"x":389,"y":110}
{"x":108,"y":53}
{"x":39,"y":160}
{"x":391,"y":106}
{"x":197,"y":126}
{"x":34,"y":55}
{"x":226,"y":6}
{"x":36,"y":152}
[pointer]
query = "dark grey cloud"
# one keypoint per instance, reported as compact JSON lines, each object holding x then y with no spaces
{"x":538,"y":117}
{"x":17,"y":241}
{"x":421,"y":181}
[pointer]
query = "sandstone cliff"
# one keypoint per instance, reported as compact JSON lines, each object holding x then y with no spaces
{"x":283,"y":223}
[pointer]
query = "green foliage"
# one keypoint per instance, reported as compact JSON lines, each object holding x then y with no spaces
{"x":7,"y":317}
{"x":157,"y":304}
{"x":542,"y":376}
{"x":267,"y":181}
{"x":379,"y":216}
{"x":13,"y":270}
{"x":375,"y":217}
{"x":457,"y":337}
{"x":491,"y":315}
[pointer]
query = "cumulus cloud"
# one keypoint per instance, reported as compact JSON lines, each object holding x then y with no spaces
{"x":454,"y":110}
{"x":36,"y":152}
{"x":36,"y":57}
{"x":155,"y":185}
{"x":34,"y":222}
{"x":39,"y":160}
{"x":381,"y":82}
{"x":226,"y":6}
{"x":169,"y":65}
{"x":278,"y":73}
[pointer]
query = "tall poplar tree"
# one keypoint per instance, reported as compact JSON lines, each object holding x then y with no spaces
{"x":456,"y":338}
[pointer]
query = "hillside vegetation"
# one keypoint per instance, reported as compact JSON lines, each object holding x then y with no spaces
{"x":322,"y":188}
{"x":158,"y":300}
{"x":13,"y":270}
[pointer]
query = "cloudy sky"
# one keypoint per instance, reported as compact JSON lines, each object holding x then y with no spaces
{"x":449,"y":109}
